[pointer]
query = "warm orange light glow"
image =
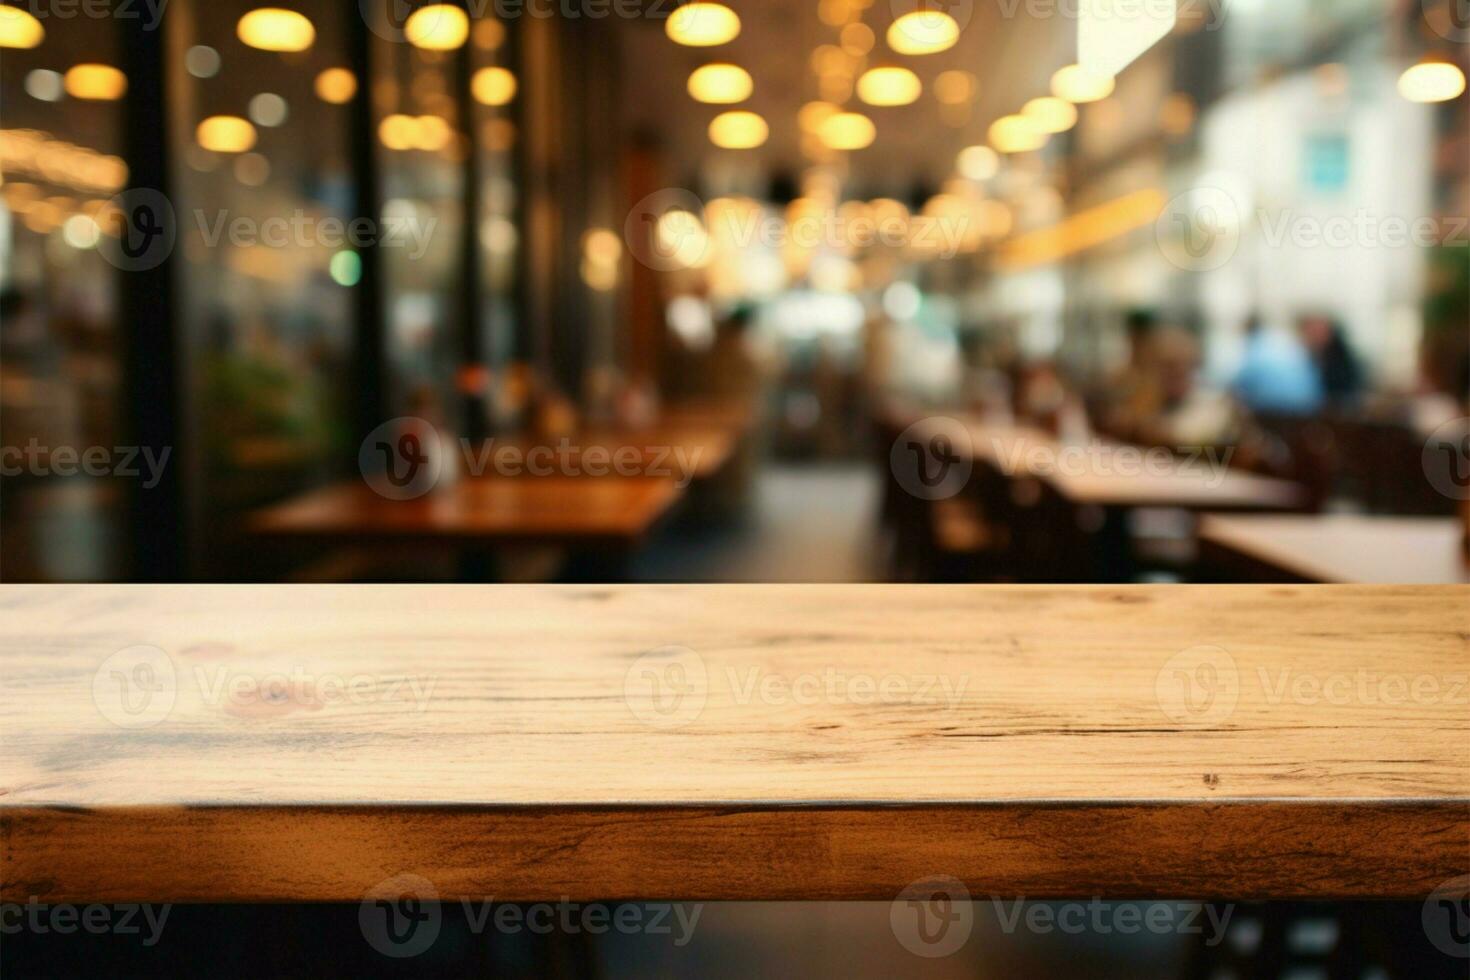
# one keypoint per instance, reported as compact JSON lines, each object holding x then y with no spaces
{"x":702,"y":24}
{"x":101,"y":82}
{"x":275,"y":29}
{"x":977,"y":163}
{"x":493,"y":86}
{"x":857,"y":39}
{"x":19,"y":29}
{"x":738,"y":130}
{"x":1051,"y":114}
{"x":336,"y":85}
{"x":847,"y":131}
{"x":225,"y":134}
{"x":923,"y":32}
{"x":954,"y":87}
{"x":720,"y":84}
{"x":1084,"y":230}
{"x":1432,"y":81}
{"x":889,"y":85}
{"x":437,"y":27}
{"x":1016,"y":134}
{"x":1078,"y":86}
{"x":431,"y":133}
{"x":488,"y":34}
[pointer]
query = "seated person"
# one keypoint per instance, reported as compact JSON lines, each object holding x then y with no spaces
{"x":1277,"y":375}
{"x":1186,"y":414}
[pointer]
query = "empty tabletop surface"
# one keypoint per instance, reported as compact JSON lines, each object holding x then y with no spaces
{"x":1346,"y":548}
{"x":1105,"y":473}
{"x":541,"y":508}
{"x":305,"y":742}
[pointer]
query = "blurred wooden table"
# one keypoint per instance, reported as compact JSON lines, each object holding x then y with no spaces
{"x":1343,"y":548}
{"x":540,"y":509}
{"x":685,"y":451}
{"x":304,"y":743}
{"x":606,"y":486}
{"x":1104,"y":473}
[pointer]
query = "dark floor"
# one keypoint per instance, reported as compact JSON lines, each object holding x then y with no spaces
{"x":995,"y":939}
{"x":804,"y":523}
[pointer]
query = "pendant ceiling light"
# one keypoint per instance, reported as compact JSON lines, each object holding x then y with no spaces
{"x":702,"y":24}
{"x":276,"y":29}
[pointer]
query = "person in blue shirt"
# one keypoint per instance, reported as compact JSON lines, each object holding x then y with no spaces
{"x":1277,"y":374}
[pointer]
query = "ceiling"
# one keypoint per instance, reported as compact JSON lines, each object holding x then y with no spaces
{"x":1012,"y":57}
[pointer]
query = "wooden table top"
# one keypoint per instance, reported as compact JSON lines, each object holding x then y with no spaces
{"x":554,"y":509}
{"x":1343,"y":548}
{"x":1105,"y":473}
{"x":776,"y":742}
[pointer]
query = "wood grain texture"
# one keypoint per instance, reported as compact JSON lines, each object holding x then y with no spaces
{"x":1023,"y":739}
{"x":1339,"y":548}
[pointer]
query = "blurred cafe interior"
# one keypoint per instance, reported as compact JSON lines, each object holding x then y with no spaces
{"x":829,"y":290}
